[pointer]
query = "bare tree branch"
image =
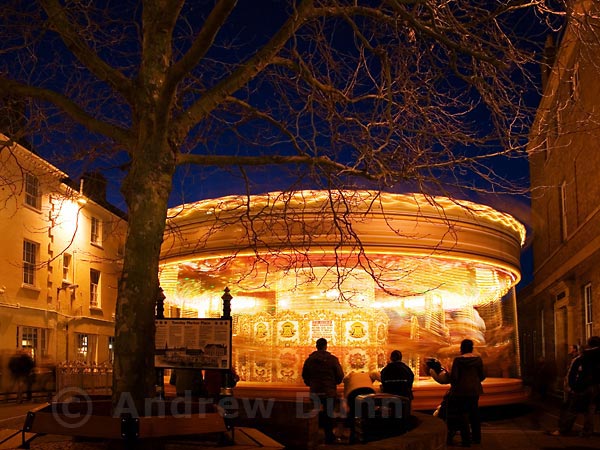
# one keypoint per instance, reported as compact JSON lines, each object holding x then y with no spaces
{"x":218,"y":160}
{"x":71,"y":36}
{"x":10,"y":87}
{"x":202,"y":43}
{"x":244,"y":73}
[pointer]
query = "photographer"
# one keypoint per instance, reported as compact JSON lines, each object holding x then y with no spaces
{"x":465,"y":380}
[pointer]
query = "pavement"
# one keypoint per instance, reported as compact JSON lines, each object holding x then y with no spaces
{"x":513,"y":427}
{"x":527,"y":427}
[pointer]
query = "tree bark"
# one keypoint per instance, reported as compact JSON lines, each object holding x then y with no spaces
{"x":146,"y":189}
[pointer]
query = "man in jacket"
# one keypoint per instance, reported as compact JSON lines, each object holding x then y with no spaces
{"x":396,"y":377}
{"x":465,"y":379}
{"x":591,"y":370}
{"x":583,"y":390}
{"x":322,"y":373}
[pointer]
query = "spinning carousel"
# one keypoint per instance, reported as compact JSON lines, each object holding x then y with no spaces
{"x":369,"y":271}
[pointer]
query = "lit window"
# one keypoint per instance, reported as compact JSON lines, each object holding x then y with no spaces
{"x":111,"y":348}
{"x":587,"y":306}
{"x":96,"y":231}
{"x":29,"y":337}
{"x":82,"y":346}
{"x":30,"y":250}
{"x":94,"y":288}
{"x":66,"y":267}
{"x":33,"y":340}
{"x":33,"y":196}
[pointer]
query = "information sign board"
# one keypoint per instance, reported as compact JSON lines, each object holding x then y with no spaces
{"x":193,"y":343}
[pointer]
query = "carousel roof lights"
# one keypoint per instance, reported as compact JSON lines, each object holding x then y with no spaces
{"x":363,"y":202}
{"x":414,"y":245}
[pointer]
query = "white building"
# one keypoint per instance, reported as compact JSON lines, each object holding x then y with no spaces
{"x":60,"y":250}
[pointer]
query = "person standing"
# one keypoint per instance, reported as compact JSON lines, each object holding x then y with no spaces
{"x":591,"y":368}
{"x":583,"y":390}
{"x":21,"y":367}
{"x":465,"y":379}
{"x":322,"y":372}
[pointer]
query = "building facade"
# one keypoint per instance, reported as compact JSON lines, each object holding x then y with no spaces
{"x":562,"y":303}
{"x":60,"y":250}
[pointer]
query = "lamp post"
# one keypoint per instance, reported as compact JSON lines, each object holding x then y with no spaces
{"x":226,"y":304}
{"x":227,"y":376}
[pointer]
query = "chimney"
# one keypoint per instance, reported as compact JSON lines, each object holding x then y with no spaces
{"x":94,"y":186}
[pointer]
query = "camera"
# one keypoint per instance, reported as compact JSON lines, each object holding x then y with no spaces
{"x":433,"y":363}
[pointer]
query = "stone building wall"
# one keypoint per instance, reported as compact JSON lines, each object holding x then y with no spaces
{"x":564,"y":168}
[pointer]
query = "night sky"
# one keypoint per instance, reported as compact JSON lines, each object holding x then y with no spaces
{"x":259,"y":19}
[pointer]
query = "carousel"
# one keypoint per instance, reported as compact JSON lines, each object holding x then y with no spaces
{"x":369,"y":271}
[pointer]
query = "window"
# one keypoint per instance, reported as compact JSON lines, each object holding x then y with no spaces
{"x":94,"y":288}
{"x":111,"y":349}
{"x":82,"y":346}
{"x":30,"y":251}
{"x":33,"y":197}
{"x":563,"y":211}
{"x":87,"y":346}
{"x":34,"y":340}
{"x":587,"y":306}
{"x":96,"y":231}
{"x":66,"y":267}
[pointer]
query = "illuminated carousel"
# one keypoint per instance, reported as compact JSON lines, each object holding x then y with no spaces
{"x":369,"y":271}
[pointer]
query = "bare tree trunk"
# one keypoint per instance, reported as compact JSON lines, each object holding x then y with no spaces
{"x":147,"y":191}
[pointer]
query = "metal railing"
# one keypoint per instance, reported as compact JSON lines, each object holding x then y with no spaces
{"x":63,"y":378}
{"x":91,"y":377}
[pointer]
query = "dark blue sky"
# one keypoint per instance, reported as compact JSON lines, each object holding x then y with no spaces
{"x":258,"y":19}
{"x":250,"y":25}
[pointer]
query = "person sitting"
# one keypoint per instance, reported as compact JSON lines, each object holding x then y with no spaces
{"x":396,"y":377}
{"x":355,"y":384}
